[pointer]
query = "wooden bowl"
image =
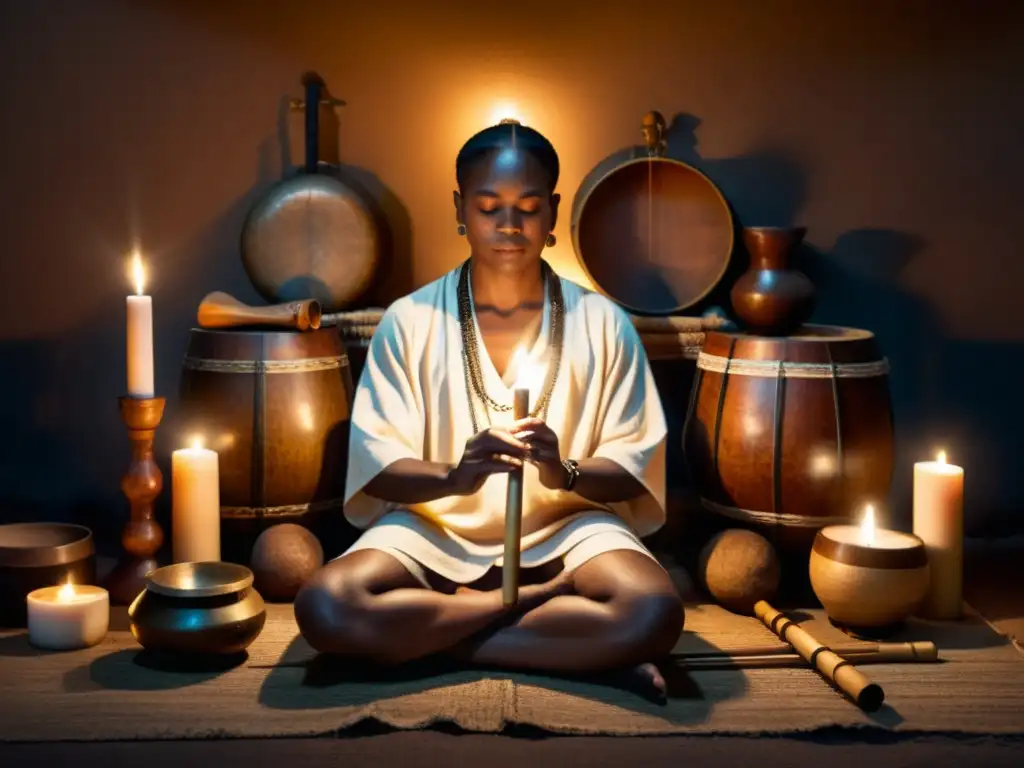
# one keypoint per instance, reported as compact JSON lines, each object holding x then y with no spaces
{"x":205,"y":608}
{"x":868,"y":590}
{"x":36,"y":555}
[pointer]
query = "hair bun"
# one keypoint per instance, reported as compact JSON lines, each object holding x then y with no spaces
{"x":509,"y":121}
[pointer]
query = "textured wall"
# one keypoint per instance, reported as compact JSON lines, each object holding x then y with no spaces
{"x":892,"y":130}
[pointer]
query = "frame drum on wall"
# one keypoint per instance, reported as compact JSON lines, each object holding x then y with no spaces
{"x":653,"y":234}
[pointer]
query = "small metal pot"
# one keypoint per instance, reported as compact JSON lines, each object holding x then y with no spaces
{"x":34,"y":555}
{"x":198,"y":608}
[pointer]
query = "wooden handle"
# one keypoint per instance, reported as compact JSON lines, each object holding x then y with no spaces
{"x":846,"y":677}
{"x":221,"y":310}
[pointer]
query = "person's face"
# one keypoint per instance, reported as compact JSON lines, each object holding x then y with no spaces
{"x":507,"y":209}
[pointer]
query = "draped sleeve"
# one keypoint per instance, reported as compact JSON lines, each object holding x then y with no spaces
{"x":387,"y":422}
{"x":632,"y":427}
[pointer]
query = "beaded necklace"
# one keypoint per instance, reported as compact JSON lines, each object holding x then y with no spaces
{"x":471,"y":357}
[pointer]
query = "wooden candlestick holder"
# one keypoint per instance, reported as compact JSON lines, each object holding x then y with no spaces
{"x":142,"y":536}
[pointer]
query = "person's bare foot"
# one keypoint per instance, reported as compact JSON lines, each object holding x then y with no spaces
{"x":649,"y":677}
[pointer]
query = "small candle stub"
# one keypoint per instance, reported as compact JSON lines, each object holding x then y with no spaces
{"x":868,"y":578}
{"x":68,"y":616}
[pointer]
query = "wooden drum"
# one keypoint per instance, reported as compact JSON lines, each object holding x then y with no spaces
{"x":275,"y":406}
{"x":788,"y":434}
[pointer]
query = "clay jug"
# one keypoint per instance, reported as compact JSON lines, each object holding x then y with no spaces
{"x":772,"y":298}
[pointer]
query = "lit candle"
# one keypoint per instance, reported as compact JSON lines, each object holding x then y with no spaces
{"x":939,"y":521}
{"x":140,"y":335}
{"x":195,"y":504}
{"x":866,"y":576}
{"x":68,"y":616}
{"x":528,"y":376}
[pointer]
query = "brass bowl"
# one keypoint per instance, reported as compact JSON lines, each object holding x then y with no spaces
{"x":198,"y":608}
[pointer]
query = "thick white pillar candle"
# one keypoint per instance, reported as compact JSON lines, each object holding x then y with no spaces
{"x":68,"y":616}
{"x":195,"y":505}
{"x":939,"y":522}
{"x":140,"y":335}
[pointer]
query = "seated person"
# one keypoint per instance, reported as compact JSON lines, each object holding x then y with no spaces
{"x":433,"y":438}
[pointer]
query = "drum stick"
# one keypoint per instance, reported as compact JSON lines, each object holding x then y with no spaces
{"x":919,"y":650}
{"x":514,"y":513}
{"x":885,"y":653}
{"x":841,"y":672}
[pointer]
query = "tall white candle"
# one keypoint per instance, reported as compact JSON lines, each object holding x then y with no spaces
{"x":195,"y":504}
{"x":939,"y":522}
{"x":69,"y":616}
{"x":140,"y":335}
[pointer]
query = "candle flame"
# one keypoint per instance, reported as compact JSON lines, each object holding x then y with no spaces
{"x":941,"y":458}
{"x":867,"y":526}
{"x":197,"y":442}
{"x":138,"y":273}
{"x":529,"y":373}
{"x":66,"y":592}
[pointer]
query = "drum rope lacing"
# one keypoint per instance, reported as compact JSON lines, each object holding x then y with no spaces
{"x":791,"y":370}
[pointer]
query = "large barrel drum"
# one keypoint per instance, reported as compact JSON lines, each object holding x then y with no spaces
{"x":788,"y":434}
{"x":275,"y":405}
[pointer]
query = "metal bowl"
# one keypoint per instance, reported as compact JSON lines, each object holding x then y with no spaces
{"x":198,"y":608}
{"x":34,"y":555}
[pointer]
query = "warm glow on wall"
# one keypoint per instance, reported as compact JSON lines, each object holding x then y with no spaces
{"x":534,"y":103}
{"x":501,"y":110}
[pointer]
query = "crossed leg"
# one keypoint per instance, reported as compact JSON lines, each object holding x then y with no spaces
{"x":623,"y":610}
{"x":619,"y":609}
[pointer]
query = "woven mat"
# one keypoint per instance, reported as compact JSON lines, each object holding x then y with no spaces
{"x":113,"y":691}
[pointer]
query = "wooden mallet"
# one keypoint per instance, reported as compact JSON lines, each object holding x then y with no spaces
{"x":741,"y":570}
{"x":222,"y":310}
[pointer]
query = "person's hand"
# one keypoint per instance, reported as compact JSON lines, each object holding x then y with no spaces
{"x":543,"y":450}
{"x":488,"y":452}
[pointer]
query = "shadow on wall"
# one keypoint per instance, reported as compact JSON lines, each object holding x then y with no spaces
{"x":956,"y":395}
{"x":947,"y":394}
{"x":766,"y":187}
{"x":66,"y":449}
{"x":394,"y":275}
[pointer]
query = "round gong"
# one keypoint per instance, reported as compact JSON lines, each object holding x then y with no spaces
{"x":314,"y":235}
{"x":653,"y":234}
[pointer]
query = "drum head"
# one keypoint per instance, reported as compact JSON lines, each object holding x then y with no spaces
{"x":655,"y":235}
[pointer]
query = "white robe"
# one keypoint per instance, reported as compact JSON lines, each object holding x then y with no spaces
{"x":412,"y":402}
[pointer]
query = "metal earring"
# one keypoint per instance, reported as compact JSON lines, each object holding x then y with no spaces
{"x":461,"y":229}
{"x":550,"y":241}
